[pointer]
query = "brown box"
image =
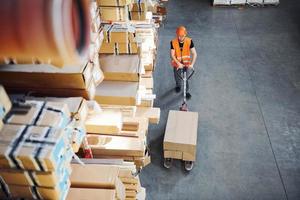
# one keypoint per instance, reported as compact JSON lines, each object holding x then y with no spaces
{"x":91,"y":194}
{"x":138,"y":15}
{"x":113,"y":2}
{"x":94,"y":176}
{"x":106,"y":122}
{"x":77,"y":106}
{"x":115,"y":145}
{"x":26,"y":192}
{"x":117,"y":93}
{"x":40,"y":113}
{"x":46,"y":76}
{"x":119,"y":48}
{"x":153,"y":114}
{"x":5,"y":104}
{"x":88,"y":93}
{"x":173,"y":154}
{"x":114,"y":13}
{"x":24,"y":178}
{"x":119,"y":33}
{"x":121,"y":67}
{"x":25,"y":151}
{"x":139,"y":7}
{"x":181,"y":132}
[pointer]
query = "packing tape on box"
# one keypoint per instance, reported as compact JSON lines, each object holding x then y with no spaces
{"x":21,"y":108}
{"x":40,"y":146}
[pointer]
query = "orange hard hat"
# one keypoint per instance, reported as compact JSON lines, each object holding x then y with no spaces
{"x":181,"y":31}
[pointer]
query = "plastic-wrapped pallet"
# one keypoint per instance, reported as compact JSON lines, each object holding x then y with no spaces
{"x":221,"y":2}
{"x":238,"y":2}
{"x":273,"y":2}
{"x":255,"y":1}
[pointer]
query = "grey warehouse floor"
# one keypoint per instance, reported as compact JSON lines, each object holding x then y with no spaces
{"x":247,"y":92}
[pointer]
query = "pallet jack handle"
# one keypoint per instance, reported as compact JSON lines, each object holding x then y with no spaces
{"x":185,"y":70}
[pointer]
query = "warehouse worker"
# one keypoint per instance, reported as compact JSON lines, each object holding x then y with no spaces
{"x":183,"y":53}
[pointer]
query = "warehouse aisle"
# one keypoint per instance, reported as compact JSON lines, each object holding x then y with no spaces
{"x":247,"y":92}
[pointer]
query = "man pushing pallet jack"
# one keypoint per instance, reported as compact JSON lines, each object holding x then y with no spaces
{"x":181,"y":132}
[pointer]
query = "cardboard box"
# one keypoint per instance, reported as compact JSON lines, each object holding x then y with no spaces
{"x":153,"y":114}
{"x":181,"y":132}
{"x":117,"y":93}
{"x":106,"y":122}
{"x":34,"y":178}
{"x":46,"y":76}
{"x":238,"y":2}
{"x":119,"y":48}
{"x":173,"y":154}
{"x":91,"y":194}
{"x":188,"y":156}
{"x":94,"y":176}
{"x":57,"y":193}
{"x":140,"y":6}
{"x":113,"y":2}
{"x":119,"y":33}
{"x":77,"y":106}
{"x":98,"y":75}
{"x":115,"y":146}
{"x":147,"y":82}
{"x":114,"y":13}
{"x":23,"y":145}
{"x":40,"y":113}
{"x":88,"y":93}
{"x":5,"y":104}
{"x":138,"y":15}
{"x":121,"y":67}
{"x":127,"y":111}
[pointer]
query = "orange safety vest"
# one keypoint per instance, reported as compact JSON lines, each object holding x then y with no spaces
{"x":183,"y":54}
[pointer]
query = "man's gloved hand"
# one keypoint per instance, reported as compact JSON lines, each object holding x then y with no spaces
{"x":180,"y":66}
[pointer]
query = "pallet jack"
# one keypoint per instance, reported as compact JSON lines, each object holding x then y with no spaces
{"x":188,"y":165}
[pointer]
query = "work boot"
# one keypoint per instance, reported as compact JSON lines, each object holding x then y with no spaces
{"x":188,"y":165}
{"x":177,"y":89}
{"x":188,"y":95}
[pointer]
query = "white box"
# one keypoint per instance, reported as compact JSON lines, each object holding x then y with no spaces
{"x":238,"y":2}
{"x":221,"y":2}
{"x":274,"y":2}
{"x":255,"y":1}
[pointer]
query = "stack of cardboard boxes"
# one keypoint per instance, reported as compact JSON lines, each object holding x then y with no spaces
{"x":106,"y":102}
{"x":5,"y":105}
{"x":36,"y":149}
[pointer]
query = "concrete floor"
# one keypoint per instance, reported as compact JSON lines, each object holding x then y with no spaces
{"x":247,"y":92}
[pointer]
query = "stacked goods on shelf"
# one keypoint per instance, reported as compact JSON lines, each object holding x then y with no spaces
{"x":47,"y":80}
{"x":79,"y":110}
{"x":116,"y":182}
{"x":111,"y":10}
{"x":119,"y":39}
{"x":36,"y":149}
{"x":119,"y":132}
{"x":245,"y":2}
{"x":5,"y":105}
{"x":139,"y":10}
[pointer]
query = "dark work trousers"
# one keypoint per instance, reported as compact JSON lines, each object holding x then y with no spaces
{"x":178,"y":80}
